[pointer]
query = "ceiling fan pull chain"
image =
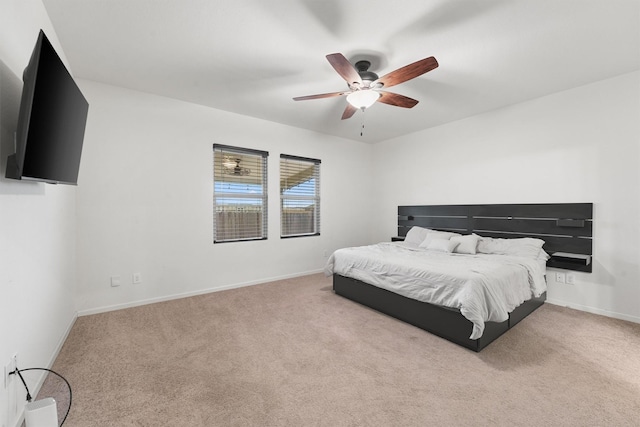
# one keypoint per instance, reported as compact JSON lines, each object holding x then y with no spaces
{"x":362,"y":130}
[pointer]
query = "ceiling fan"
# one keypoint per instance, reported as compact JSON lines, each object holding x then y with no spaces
{"x":365,"y":87}
{"x":231,"y":166}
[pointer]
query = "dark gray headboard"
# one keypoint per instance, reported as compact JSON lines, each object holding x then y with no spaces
{"x":566,"y":228}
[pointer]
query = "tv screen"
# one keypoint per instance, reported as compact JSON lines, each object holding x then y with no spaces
{"x":51,"y":121}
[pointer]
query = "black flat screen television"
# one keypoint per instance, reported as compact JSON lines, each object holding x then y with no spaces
{"x":51,"y":121}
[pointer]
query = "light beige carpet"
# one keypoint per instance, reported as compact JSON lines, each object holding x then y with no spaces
{"x":292,"y":353}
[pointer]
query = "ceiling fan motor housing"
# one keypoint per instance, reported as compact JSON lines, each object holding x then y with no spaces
{"x":363,"y":71}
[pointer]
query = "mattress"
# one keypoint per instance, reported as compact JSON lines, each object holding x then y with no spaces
{"x":483,"y":287}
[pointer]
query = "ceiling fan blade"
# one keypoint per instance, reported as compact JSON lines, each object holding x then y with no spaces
{"x":397,"y":100}
{"x":319,"y":96}
{"x":407,"y":72}
{"x":349,"y":111}
{"x":344,"y":68}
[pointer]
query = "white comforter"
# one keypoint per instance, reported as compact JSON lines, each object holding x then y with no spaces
{"x":483,"y":287}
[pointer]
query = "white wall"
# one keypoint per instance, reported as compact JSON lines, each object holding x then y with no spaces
{"x":580,"y":145}
{"x":37,"y":227}
{"x":145,"y":199}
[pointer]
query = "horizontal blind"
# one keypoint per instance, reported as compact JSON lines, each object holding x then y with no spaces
{"x":299,"y":196}
{"x":239,"y":194}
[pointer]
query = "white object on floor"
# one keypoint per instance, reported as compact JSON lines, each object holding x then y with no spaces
{"x":41,"y":413}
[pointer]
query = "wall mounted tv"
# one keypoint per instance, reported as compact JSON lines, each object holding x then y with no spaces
{"x":51,"y":121}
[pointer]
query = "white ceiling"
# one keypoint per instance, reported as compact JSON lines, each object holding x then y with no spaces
{"x":253,"y":56}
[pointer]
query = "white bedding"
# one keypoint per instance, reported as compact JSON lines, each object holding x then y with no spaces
{"x":483,"y":287}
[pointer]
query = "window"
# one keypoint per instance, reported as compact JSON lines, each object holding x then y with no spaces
{"x":239,"y":194}
{"x":299,"y":196}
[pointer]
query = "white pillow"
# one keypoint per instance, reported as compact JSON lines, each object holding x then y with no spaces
{"x":543,"y":256}
{"x":437,"y":235}
{"x":441,"y":245}
{"x":467,"y":244}
{"x":525,"y":247}
{"x":416,"y":235}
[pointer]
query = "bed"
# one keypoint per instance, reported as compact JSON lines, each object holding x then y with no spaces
{"x":467,"y":298}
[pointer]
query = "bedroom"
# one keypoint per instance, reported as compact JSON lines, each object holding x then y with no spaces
{"x":144,"y":205}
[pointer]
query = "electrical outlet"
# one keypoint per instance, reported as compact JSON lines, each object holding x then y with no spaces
{"x":571,"y":279}
{"x":137,"y":278}
{"x":115,"y":281}
{"x":560,"y":277}
{"x":8,"y":368}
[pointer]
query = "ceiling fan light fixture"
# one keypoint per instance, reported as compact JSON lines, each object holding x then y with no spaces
{"x":364,"y":98}
{"x":228,"y":162}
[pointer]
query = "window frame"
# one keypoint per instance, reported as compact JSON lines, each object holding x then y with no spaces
{"x":315,"y":197}
{"x":221,"y":148}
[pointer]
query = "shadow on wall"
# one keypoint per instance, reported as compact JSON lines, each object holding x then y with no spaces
{"x":10,"y":94}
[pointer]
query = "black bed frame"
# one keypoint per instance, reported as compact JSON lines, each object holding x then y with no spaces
{"x":565,"y":228}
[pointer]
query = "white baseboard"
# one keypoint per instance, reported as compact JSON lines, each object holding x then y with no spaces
{"x":62,"y":340}
{"x":594,"y":310}
{"x":137,"y":303}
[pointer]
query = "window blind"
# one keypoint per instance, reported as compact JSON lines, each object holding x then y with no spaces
{"x":239,"y":194}
{"x":299,"y":196}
